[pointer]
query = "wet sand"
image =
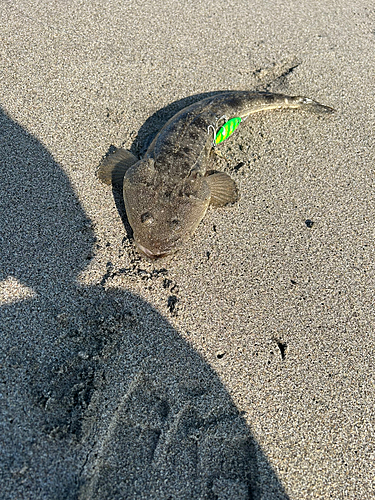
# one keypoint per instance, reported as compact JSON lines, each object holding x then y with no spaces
{"x":241,"y":368}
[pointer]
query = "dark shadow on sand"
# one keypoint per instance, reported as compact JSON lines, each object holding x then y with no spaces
{"x":100,"y":398}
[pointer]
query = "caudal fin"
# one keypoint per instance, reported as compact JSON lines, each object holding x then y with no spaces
{"x":254,"y":102}
{"x":311,"y":105}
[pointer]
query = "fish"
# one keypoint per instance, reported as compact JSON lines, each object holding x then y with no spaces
{"x":168,"y":191}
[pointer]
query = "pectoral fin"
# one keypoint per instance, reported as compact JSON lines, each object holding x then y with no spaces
{"x":223,"y":189}
{"x":114,"y":166}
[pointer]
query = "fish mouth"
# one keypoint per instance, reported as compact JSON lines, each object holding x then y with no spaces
{"x":152,"y":254}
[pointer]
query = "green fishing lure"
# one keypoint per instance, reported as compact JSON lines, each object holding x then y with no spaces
{"x":227,"y":129}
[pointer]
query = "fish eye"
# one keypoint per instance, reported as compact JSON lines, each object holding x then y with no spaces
{"x":147,"y":218}
{"x":175,"y":224}
{"x":195,"y":174}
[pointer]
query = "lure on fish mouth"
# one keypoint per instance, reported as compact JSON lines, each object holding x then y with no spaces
{"x":168,"y":191}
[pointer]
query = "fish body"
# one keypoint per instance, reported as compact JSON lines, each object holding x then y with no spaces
{"x":168,"y":191}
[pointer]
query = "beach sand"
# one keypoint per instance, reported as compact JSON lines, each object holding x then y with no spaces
{"x":241,"y":368}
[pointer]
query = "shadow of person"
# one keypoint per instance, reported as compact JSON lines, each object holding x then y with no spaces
{"x":100,"y":397}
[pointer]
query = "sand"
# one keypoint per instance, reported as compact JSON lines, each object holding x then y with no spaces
{"x":242,"y":368}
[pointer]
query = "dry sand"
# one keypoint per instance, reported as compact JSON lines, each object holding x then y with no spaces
{"x":241,"y":368}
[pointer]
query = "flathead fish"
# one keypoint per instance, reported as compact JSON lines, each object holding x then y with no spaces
{"x":168,"y":191}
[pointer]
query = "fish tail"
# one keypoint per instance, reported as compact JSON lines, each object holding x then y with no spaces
{"x":308,"y":104}
{"x":264,"y":101}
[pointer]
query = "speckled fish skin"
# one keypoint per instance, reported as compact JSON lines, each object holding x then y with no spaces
{"x":167,"y":193}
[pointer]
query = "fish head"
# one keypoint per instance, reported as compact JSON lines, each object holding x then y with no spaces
{"x":163,"y":212}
